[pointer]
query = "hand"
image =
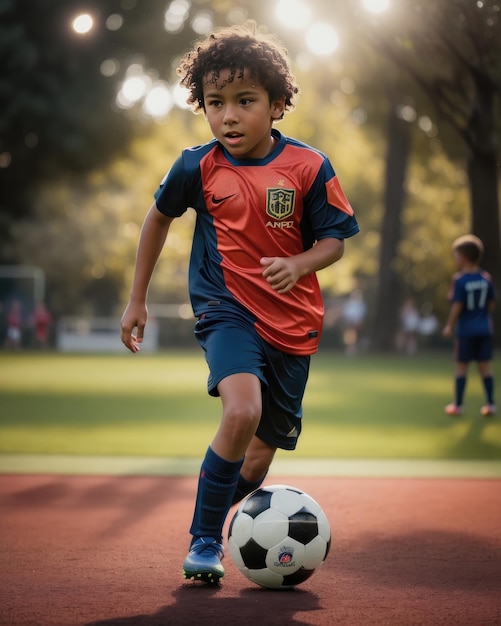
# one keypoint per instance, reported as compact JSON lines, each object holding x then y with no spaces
{"x":447,"y":332}
{"x":135,"y":316}
{"x":280,"y":272}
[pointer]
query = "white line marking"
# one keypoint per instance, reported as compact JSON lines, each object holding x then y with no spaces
{"x":151,"y":466}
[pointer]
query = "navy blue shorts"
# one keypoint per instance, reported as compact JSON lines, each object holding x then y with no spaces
{"x":232,"y":346}
{"x":474,"y":348}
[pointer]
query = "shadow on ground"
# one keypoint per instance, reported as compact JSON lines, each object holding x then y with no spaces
{"x":194,"y":604}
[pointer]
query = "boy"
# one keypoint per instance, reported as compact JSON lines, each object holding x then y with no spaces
{"x":472,"y":297}
{"x":270,"y":213}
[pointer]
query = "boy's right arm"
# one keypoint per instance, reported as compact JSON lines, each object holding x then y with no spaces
{"x":153,"y":234}
{"x":454,"y":314}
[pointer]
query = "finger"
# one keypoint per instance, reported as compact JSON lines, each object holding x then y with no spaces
{"x":140,"y":333}
{"x":134,"y":344}
{"x":130,"y":343}
{"x":282,"y":286}
{"x":129,"y":340}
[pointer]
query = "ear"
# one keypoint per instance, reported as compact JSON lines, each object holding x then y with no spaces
{"x":277,"y":109}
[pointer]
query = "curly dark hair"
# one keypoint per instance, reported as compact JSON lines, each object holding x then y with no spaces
{"x":238,"y":48}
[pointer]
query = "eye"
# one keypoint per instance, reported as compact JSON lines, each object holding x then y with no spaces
{"x":246,"y":101}
{"x":214,"y":103}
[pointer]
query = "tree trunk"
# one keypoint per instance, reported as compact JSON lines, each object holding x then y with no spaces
{"x":388,"y":295}
{"x":484,"y":178}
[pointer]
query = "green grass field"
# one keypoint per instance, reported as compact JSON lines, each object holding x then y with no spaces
{"x":156,"y":405}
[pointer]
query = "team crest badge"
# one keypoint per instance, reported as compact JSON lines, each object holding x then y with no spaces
{"x":280,"y":203}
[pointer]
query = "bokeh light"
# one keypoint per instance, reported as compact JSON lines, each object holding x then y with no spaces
{"x":180,"y":95}
{"x":202,"y":22}
{"x":159,"y":101}
{"x":114,"y":21}
{"x":322,"y":39}
{"x":83,"y":24}
{"x":134,"y":87}
{"x":109,"y":67}
{"x":176,"y":15}
{"x":5,"y":159}
{"x":293,"y":13}
{"x":376,"y":6}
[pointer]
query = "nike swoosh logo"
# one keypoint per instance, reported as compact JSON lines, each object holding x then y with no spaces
{"x":219,"y":200}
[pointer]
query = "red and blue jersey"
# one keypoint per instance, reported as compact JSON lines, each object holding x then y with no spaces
{"x":277,"y":206}
{"x":474,"y":291}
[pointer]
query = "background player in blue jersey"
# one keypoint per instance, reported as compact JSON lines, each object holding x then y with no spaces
{"x":472,"y":297}
{"x":270,"y":214}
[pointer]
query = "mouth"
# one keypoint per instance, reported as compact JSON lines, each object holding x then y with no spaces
{"x":233,"y":139}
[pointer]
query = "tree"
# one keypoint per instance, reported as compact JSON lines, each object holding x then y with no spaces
{"x":389,"y":285}
{"x":59,"y":117}
{"x":452,"y":50}
{"x":55,"y":106}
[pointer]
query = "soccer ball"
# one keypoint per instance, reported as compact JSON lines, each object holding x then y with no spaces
{"x":279,"y":536}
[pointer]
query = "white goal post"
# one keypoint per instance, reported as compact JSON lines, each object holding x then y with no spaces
{"x":29,"y":272}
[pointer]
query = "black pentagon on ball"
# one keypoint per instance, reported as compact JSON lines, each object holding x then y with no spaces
{"x":328,"y":547}
{"x":253,"y":555}
{"x":303,"y":526}
{"x":297,"y":578}
{"x":257,"y":502}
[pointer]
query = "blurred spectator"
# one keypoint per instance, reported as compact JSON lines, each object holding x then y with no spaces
{"x":428,"y":326}
{"x":409,"y":323}
{"x":40,"y":321}
{"x":14,"y":320}
{"x":353,"y":315}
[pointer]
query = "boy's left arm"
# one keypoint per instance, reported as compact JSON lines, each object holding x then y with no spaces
{"x":282,"y":273}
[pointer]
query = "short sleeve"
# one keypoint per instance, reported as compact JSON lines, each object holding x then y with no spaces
{"x":330,"y":213}
{"x":172,"y":196}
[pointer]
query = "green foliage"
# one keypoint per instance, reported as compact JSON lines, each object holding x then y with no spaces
{"x":84,"y":231}
{"x":157,"y":405}
{"x":82,"y":173}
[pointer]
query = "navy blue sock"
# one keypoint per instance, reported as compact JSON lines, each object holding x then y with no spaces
{"x":489,"y":389}
{"x":245,"y":487}
{"x":460,"y":384}
{"x":216,"y":485}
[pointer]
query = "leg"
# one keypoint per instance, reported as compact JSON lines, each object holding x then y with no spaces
{"x":280,"y":423}
{"x":257,"y":461}
{"x":456,"y":408}
{"x":241,"y":399}
{"x":460,"y":383}
{"x":485,"y":371}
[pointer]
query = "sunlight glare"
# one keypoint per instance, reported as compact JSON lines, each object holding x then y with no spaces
{"x":176,"y":15}
{"x":293,"y":13}
{"x":322,"y":39}
{"x":134,"y":88}
{"x":180,"y":95}
{"x":83,"y":23}
{"x":376,"y":6}
{"x":159,"y":101}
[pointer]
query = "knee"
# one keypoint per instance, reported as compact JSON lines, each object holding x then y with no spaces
{"x":242,"y":417}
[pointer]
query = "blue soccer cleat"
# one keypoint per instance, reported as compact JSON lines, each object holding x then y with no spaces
{"x":204,"y":561}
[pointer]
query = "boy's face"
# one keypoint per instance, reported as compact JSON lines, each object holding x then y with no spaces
{"x":240,"y":115}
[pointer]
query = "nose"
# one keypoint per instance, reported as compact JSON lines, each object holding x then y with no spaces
{"x":230,"y":114}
